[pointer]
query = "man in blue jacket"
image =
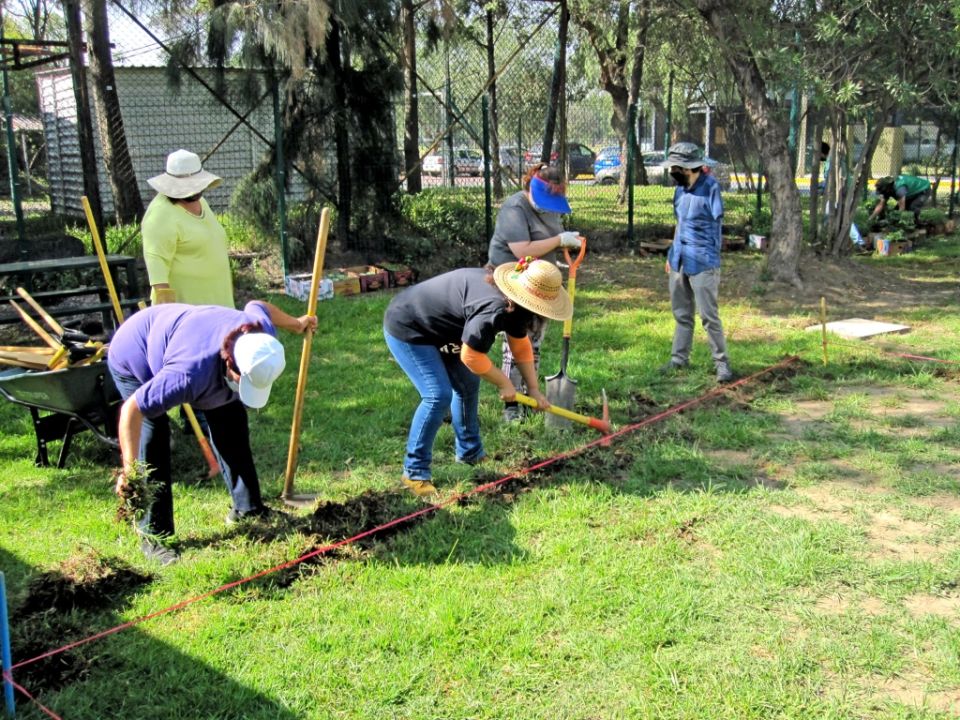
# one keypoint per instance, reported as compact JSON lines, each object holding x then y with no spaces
{"x":693,"y":262}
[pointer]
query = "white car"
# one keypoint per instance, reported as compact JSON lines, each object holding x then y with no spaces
{"x":433,"y":164}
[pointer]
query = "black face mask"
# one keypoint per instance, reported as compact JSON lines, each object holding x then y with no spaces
{"x":679,"y":177}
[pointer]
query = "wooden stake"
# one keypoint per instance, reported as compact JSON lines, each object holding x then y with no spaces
{"x":294,"y":448}
{"x":107,"y":277}
{"x":823,"y":327}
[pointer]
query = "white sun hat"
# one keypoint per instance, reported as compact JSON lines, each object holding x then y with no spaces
{"x":259,"y":358}
{"x":184,"y":177}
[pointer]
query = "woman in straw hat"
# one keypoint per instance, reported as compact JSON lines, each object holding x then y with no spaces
{"x":440,"y":332}
{"x":184,"y":245}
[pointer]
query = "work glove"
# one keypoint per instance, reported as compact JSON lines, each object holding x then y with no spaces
{"x":164,"y":295}
{"x":570,"y":239}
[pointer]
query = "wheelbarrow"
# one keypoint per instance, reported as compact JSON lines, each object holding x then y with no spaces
{"x":65,"y":402}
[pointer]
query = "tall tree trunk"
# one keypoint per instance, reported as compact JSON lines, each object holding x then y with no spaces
{"x":613,"y":60}
{"x":493,"y":112}
{"x":556,"y":86}
{"x":127,"y":203}
{"x":341,"y":134}
{"x":851,"y":192}
{"x":411,"y":132}
{"x":88,"y":159}
{"x":783,"y":261}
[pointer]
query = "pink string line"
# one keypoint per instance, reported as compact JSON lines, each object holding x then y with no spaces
{"x":908,"y":356}
{"x":601,"y":441}
{"x":26,"y":693}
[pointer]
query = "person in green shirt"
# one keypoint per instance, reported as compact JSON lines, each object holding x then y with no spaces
{"x":184,"y":245}
{"x":910,"y":192}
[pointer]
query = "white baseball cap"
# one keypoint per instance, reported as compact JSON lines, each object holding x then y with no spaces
{"x":260,"y":360}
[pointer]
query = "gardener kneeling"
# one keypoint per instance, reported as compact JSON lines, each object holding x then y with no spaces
{"x":440,"y":331}
{"x":219,"y":360}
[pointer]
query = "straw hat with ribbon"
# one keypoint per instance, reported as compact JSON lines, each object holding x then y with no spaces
{"x":185,"y":177}
{"x":536,"y":285}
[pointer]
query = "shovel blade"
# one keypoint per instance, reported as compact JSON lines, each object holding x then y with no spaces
{"x":562,"y":392}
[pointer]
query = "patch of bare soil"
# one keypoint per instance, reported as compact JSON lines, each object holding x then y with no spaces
{"x":913,"y":690}
{"x":838,"y":604}
{"x":853,"y":286}
{"x":68,"y":604}
{"x":941,"y":606}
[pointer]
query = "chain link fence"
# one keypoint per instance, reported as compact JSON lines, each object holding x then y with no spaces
{"x":475,"y":138}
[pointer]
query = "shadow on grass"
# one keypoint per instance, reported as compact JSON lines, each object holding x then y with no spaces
{"x":138,"y":676}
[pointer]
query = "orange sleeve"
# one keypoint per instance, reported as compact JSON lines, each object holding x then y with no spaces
{"x":478,"y":362}
{"x":521,"y":348}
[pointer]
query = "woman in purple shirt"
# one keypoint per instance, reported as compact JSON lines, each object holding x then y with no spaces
{"x":219,"y":360}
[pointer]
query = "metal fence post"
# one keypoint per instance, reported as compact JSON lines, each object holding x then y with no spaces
{"x":487,"y":205}
{"x":5,"y":654}
{"x":759,"y":184}
{"x":519,"y":147}
{"x":631,"y":159}
{"x":280,"y":175}
{"x":666,"y":132}
{"x":12,"y":166}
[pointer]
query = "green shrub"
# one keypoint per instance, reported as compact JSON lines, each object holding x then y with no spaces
{"x":254,"y":201}
{"x":932,"y":216}
{"x":441,"y":224}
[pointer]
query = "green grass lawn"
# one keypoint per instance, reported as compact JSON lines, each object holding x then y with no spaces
{"x":788,"y":549}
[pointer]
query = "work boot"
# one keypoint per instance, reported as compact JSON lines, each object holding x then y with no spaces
{"x":420,"y":488}
{"x":512,"y":413}
{"x":157,"y":551}
{"x":671,"y":367}
{"x":478,"y":460}
{"x":725,"y":374}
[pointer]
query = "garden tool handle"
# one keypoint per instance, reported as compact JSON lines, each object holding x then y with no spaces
{"x":601,"y":425}
{"x":572,"y":282}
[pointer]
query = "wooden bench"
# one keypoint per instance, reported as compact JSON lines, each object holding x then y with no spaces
{"x":25,"y":273}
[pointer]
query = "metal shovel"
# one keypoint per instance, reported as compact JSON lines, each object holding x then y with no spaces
{"x":562,"y":389}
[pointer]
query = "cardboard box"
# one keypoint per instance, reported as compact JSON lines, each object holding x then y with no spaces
{"x":370,"y":276}
{"x":890,"y":248}
{"x":344,"y":283}
{"x":759,"y":242}
{"x":298,"y":286}
{"x":398,"y":275}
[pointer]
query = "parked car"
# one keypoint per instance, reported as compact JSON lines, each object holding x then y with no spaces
{"x":433,"y":164}
{"x":606,"y":170}
{"x":467,"y":161}
{"x":581,"y":158}
{"x":607,"y":167}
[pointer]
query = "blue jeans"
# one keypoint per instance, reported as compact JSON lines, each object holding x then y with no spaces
{"x":229,"y":438}
{"x":443,"y":381}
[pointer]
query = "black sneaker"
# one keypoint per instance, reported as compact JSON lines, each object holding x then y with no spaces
{"x":157,"y":551}
{"x":235,"y":516}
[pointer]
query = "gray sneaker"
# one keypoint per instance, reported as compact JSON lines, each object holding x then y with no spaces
{"x":671,"y":367}
{"x":725,"y":374}
{"x":154,"y":550}
{"x":512,"y":413}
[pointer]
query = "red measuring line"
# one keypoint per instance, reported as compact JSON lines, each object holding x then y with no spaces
{"x":26,"y":693}
{"x":605,"y":440}
{"x":908,"y":356}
